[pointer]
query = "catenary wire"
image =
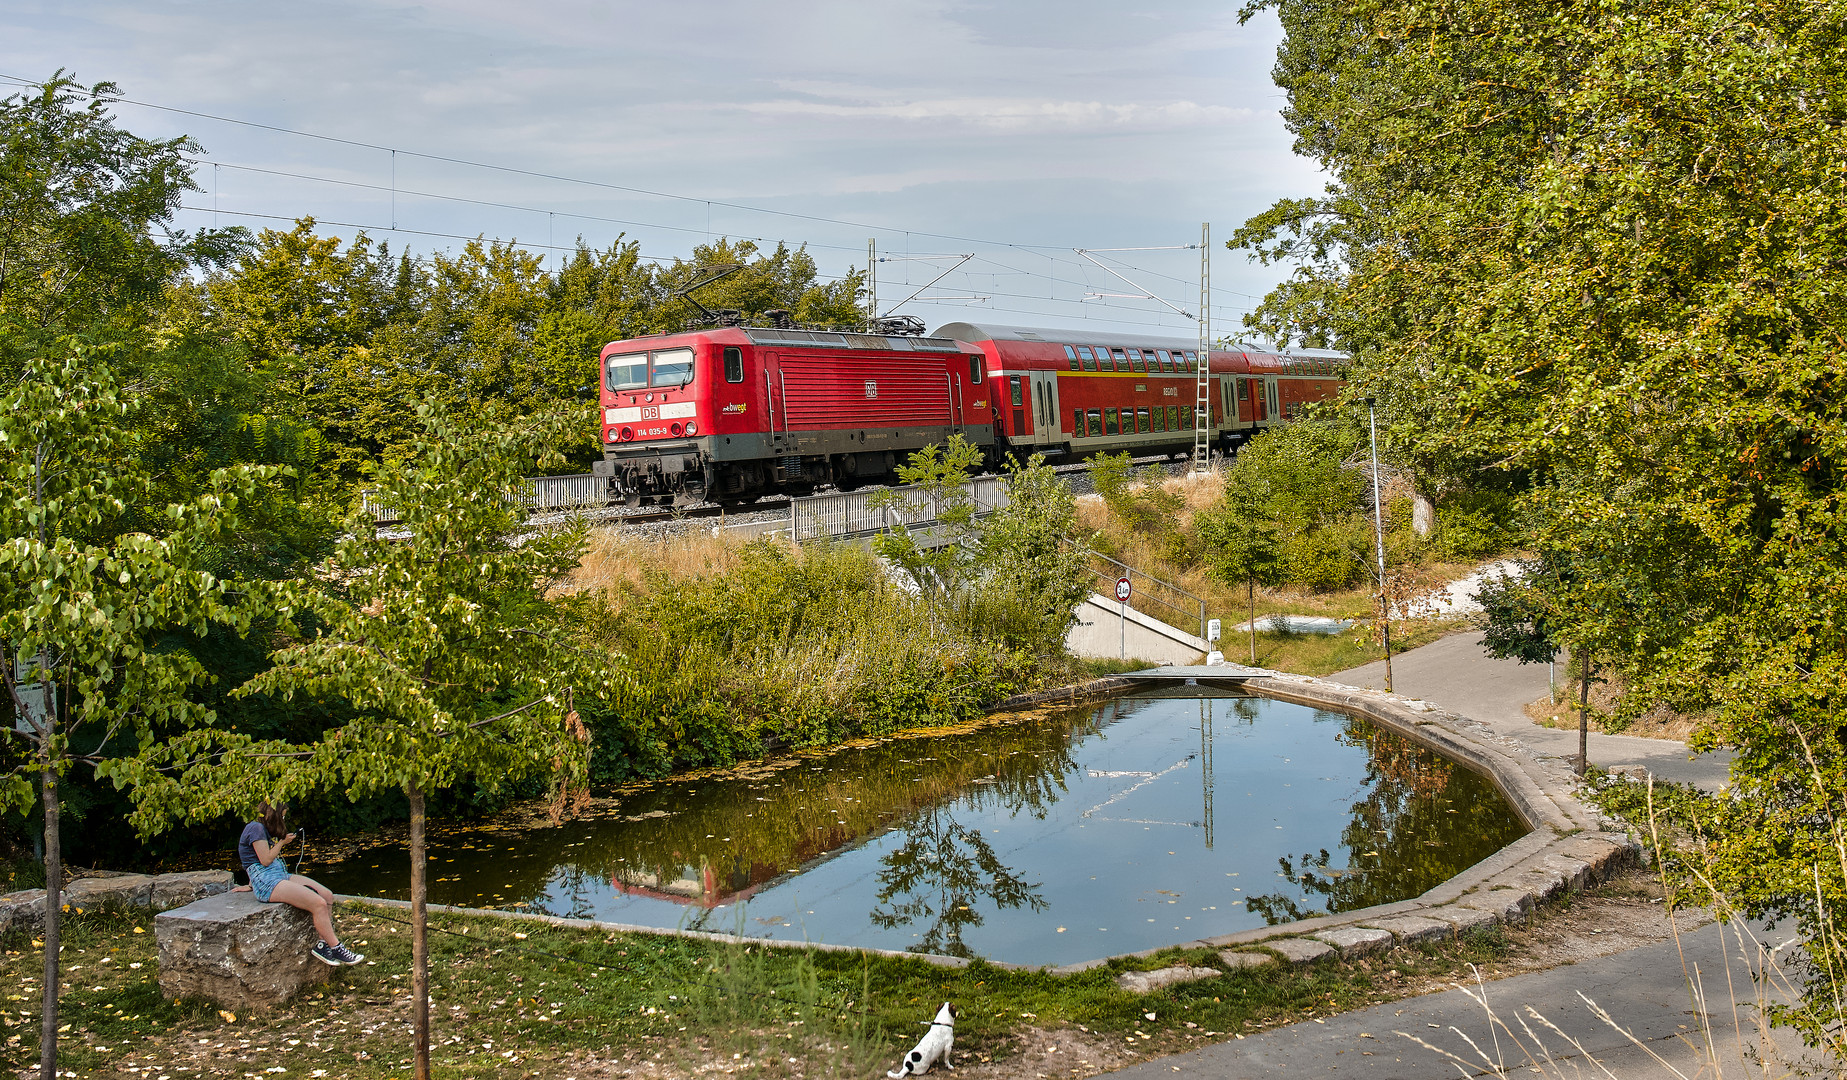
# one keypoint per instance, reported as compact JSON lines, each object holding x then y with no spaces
{"x":1041,"y":250}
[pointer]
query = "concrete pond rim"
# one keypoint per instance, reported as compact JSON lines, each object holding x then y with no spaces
{"x":1568,"y":846}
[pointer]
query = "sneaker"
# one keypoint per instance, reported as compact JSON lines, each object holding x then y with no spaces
{"x":326,"y":954}
{"x":343,"y":955}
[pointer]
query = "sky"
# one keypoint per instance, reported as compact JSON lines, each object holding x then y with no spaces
{"x":1012,"y":131}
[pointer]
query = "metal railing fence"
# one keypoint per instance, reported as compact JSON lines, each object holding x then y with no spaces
{"x":549,"y":493}
{"x":1151,"y":596}
{"x":851,"y":514}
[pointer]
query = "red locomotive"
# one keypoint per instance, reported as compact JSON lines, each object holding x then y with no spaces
{"x":731,"y":413}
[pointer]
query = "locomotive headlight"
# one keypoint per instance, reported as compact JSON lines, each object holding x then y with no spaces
{"x":692,"y":428}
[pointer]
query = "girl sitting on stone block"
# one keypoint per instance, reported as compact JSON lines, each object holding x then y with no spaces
{"x":270,"y":880}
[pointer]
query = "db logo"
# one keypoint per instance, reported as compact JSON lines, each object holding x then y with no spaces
{"x":872,"y":389}
{"x":651,"y":412}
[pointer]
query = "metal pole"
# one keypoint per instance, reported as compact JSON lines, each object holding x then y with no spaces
{"x":1378,"y":525}
{"x":1122,"y":630}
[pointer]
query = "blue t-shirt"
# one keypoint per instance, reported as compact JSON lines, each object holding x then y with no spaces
{"x":246,"y":841}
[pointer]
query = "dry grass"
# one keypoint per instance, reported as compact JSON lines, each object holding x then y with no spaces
{"x":1560,"y":710}
{"x":617,"y":561}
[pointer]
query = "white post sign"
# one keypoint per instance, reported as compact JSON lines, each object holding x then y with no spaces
{"x":1122,"y":626}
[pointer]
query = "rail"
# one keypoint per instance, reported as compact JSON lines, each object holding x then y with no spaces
{"x":1149,"y":595}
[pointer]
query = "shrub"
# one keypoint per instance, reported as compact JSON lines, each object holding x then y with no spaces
{"x":1473,"y":524}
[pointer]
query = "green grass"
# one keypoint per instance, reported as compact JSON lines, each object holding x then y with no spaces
{"x":1324,"y":654}
{"x":514,"y":998}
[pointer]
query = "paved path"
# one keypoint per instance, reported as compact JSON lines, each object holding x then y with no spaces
{"x":1644,"y":988}
{"x":1456,"y":674}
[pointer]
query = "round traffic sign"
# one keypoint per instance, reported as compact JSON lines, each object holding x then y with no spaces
{"x":1122,"y":589}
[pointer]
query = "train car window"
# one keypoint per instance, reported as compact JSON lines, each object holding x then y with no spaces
{"x":1077,"y":423}
{"x":1137,"y":362}
{"x":734,"y":364}
{"x":1244,"y":389}
{"x":1090,"y":363}
{"x":673,"y":367}
{"x":1071,"y":355}
{"x":1096,"y":423}
{"x":1122,"y":360}
{"x":1160,"y":418}
{"x":626,"y":371}
{"x":1141,"y":421}
{"x":974,"y":370}
{"x":1013,"y":388}
{"x":1165,"y":361}
{"x":1186,"y":418}
{"x":1109,"y":422}
{"x":1173,"y":418}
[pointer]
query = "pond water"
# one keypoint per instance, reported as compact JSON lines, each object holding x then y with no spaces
{"x":1136,"y":823}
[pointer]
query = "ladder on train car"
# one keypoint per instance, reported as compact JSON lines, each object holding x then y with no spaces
{"x":1202,"y":385}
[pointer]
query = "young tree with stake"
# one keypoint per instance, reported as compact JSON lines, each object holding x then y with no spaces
{"x":89,"y":610}
{"x":443,"y":641}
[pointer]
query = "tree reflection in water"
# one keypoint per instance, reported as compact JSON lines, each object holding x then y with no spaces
{"x":1405,"y":837}
{"x":944,"y":871}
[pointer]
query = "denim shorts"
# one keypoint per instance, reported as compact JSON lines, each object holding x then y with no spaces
{"x":264,"y":879}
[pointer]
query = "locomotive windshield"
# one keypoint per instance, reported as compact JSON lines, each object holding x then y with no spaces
{"x":627,"y":371}
{"x":673,"y":367}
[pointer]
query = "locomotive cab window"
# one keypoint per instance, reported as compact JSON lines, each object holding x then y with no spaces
{"x":626,"y":371}
{"x":974,"y":370}
{"x":734,"y":364}
{"x":673,"y":367}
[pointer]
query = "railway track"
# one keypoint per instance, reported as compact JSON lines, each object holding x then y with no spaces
{"x":622,"y":516}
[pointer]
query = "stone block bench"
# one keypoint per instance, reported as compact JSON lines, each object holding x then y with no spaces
{"x":236,"y":951}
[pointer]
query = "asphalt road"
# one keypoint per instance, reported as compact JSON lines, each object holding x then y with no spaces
{"x":1647,"y":991}
{"x":1457,"y":675}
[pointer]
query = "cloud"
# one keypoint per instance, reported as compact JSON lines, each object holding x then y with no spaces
{"x":1017,"y":114}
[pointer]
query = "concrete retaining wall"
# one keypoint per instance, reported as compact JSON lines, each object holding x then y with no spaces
{"x":1101,"y":631}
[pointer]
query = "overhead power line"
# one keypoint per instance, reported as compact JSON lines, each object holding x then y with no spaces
{"x":1047,"y":252}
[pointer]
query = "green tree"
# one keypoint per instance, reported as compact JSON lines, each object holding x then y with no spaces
{"x":940,"y":476}
{"x":93,"y":618}
{"x":1239,"y":538}
{"x":442,"y":640}
{"x":1597,"y":245}
{"x":85,"y":240}
{"x":1031,"y":574}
